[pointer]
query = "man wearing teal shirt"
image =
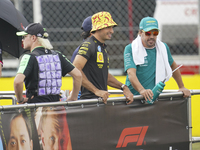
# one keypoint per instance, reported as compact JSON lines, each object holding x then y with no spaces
{"x":147,"y":60}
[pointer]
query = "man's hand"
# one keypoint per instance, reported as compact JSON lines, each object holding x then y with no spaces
{"x":70,"y":98}
{"x":127,"y":93}
{"x":147,"y":94}
{"x":186,"y":92}
{"x":24,"y":100}
{"x":103,"y":94}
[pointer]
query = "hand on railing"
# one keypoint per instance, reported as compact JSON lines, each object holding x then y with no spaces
{"x":22,"y":101}
{"x":186,"y":92}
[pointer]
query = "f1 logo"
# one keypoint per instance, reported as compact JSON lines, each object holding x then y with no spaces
{"x":130,"y":135}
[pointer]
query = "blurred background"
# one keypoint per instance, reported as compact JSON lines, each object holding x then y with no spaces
{"x":178,"y":22}
{"x":179,"y":28}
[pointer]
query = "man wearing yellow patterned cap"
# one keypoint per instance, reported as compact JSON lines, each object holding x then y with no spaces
{"x":93,"y":62}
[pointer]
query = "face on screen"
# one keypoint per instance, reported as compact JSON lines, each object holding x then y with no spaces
{"x":19,"y":137}
{"x":55,"y":134}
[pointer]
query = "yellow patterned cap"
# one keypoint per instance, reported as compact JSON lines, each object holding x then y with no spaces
{"x":102,"y":20}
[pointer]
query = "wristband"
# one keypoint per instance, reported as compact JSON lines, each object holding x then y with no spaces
{"x":122,"y":87}
{"x":140,"y":90}
{"x":21,"y":100}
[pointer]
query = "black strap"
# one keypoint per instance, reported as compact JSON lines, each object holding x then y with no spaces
{"x":37,"y":52}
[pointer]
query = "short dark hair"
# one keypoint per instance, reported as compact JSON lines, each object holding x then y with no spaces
{"x":85,"y":35}
{"x":27,"y":122}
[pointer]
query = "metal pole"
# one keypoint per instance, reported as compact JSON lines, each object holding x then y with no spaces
{"x":18,"y":5}
{"x":193,"y":92}
{"x":92,"y":101}
{"x":9,"y":97}
{"x":37,"y":14}
{"x":190,"y":123}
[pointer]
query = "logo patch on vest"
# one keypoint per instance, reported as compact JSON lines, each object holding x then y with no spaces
{"x":100,"y":58}
{"x":99,"y":48}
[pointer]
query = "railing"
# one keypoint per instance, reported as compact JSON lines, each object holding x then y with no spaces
{"x":193,"y":92}
{"x":8,"y":97}
{"x":169,"y":94}
{"x":166,"y":94}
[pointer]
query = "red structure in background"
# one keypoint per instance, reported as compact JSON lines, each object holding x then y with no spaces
{"x":189,"y":69}
{"x":130,"y":20}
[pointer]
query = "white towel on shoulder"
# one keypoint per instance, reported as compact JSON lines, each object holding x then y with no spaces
{"x":163,"y":69}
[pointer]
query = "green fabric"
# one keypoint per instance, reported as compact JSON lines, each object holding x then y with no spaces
{"x":145,"y":72}
{"x":148,"y":23}
{"x":23,"y":63}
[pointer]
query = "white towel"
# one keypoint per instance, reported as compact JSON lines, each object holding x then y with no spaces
{"x":163,"y":69}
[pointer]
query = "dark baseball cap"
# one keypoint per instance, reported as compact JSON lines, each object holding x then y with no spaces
{"x":34,"y":29}
{"x":87,"y":24}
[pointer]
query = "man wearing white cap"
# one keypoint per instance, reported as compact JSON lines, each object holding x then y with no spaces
{"x":148,"y":61}
{"x":42,"y":69}
{"x":93,"y":62}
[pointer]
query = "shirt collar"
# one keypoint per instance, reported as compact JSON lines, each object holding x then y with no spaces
{"x":37,"y":47}
{"x":98,"y":42}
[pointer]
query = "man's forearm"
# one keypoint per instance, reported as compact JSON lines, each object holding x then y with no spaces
{"x":113,"y":82}
{"x":87,"y":84}
{"x":177,"y":75}
{"x":18,"y":91}
{"x":18,"y":86}
{"x":135,"y":83}
{"x":76,"y":86}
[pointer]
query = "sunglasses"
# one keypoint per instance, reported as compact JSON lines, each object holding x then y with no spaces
{"x":24,"y":36}
{"x":155,"y":33}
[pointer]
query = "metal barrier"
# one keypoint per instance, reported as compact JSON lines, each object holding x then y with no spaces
{"x":10,"y":92}
{"x":9,"y":97}
{"x":166,"y":94}
{"x":193,"y":92}
{"x":169,"y":94}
